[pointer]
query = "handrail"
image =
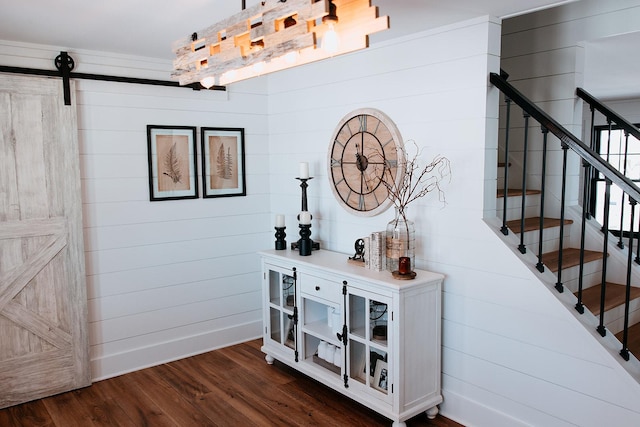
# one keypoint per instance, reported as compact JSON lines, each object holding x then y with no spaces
{"x":611,"y":115}
{"x":586,"y":153}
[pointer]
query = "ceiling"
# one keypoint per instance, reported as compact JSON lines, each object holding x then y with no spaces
{"x":149,"y":27}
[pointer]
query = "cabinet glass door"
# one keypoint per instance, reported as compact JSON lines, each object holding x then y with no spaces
{"x":368,"y":361}
{"x":281,"y":324}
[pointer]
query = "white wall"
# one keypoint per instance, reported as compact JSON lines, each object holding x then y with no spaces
{"x":165,"y":279}
{"x":512,"y":353}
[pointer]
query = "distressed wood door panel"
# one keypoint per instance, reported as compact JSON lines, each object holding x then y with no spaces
{"x":43,"y":321}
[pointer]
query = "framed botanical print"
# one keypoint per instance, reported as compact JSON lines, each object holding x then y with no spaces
{"x":223,"y":172}
{"x":172,"y":152}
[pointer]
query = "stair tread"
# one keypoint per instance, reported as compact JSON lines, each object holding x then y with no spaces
{"x":633,"y":340}
{"x":570,"y":258}
{"x":511,"y":192}
{"x":614,"y":296}
{"x":533,"y":223}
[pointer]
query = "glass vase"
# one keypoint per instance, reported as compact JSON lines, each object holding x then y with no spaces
{"x":401,"y":246}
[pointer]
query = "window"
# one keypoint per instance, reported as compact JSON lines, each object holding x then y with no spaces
{"x":623,"y":154}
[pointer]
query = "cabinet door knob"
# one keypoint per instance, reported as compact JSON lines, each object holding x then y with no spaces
{"x":317,"y":288}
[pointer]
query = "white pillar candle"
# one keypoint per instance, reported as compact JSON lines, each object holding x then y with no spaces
{"x":304,"y":170}
{"x":304,"y":218}
{"x":279,"y":220}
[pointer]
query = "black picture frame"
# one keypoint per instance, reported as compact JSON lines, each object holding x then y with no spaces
{"x":172,"y":162}
{"x":223,"y":162}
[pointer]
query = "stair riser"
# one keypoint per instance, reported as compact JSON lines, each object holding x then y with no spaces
{"x":551,"y":238}
{"x":513,"y":210}
{"x":614,"y":318}
{"x":588,"y":281}
{"x":592,"y":276}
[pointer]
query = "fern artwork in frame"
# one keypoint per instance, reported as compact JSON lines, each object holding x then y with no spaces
{"x":172,"y":153}
{"x":223,"y":172}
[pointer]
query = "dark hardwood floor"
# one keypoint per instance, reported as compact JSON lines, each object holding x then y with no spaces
{"x":233,"y":386}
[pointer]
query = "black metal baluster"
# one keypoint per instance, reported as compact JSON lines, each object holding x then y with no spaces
{"x":545,"y":133}
{"x":521,"y":247}
{"x":589,"y":172}
{"x":637,"y":259}
{"x":607,"y":200}
{"x":504,"y":228}
{"x":624,"y":172}
{"x":607,"y":158}
{"x":627,"y":298}
{"x":585,"y":215}
{"x":565,"y":149}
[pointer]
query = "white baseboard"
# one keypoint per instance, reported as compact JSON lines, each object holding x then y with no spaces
{"x":113,"y":365}
{"x":473,"y":414}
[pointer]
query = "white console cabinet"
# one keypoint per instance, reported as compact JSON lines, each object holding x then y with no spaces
{"x":371,"y":337}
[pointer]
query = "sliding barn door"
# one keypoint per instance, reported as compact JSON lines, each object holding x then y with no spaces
{"x":43,"y":325}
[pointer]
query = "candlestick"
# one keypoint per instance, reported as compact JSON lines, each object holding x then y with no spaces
{"x":305,"y":245}
{"x":281,"y":243}
{"x":303,"y":186}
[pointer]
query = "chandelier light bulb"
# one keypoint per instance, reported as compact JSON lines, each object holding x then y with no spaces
{"x":330,"y":40}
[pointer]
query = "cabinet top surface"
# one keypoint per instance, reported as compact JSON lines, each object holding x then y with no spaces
{"x":337,"y":263}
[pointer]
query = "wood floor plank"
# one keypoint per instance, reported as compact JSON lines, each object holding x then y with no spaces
{"x":32,"y":414}
{"x":102,"y":407}
{"x":181,"y":412}
{"x":66,"y":410}
{"x":227,"y":387}
{"x":226,"y":401}
{"x":138,"y":407}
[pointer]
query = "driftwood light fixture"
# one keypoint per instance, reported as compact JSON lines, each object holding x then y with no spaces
{"x":274,"y":35}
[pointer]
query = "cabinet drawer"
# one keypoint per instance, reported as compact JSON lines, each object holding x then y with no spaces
{"x":321,"y":288}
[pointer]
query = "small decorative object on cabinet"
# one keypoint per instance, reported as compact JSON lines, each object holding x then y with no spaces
{"x":401,"y":247}
{"x":384,"y":334}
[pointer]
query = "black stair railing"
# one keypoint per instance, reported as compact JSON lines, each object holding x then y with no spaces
{"x":594,"y":165}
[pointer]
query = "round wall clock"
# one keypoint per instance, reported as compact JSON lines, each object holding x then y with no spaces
{"x":366,"y":146}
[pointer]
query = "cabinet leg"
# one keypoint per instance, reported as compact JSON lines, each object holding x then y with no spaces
{"x":431,"y":413}
{"x":269,"y":359}
{"x":399,"y":424}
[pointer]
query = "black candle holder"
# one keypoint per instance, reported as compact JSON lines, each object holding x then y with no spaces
{"x":281,"y":243}
{"x":305,"y":244}
{"x":303,"y":186}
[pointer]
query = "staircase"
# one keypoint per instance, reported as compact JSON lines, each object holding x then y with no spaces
{"x":579,"y":254}
{"x":592,"y":268}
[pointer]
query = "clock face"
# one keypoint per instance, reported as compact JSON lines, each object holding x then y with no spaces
{"x":366,"y":147}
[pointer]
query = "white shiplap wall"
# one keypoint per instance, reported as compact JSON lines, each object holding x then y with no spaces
{"x":513,"y":355}
{"x":165,"y":279}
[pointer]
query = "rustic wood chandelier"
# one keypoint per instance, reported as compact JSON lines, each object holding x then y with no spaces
{"x":274,"y":35}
